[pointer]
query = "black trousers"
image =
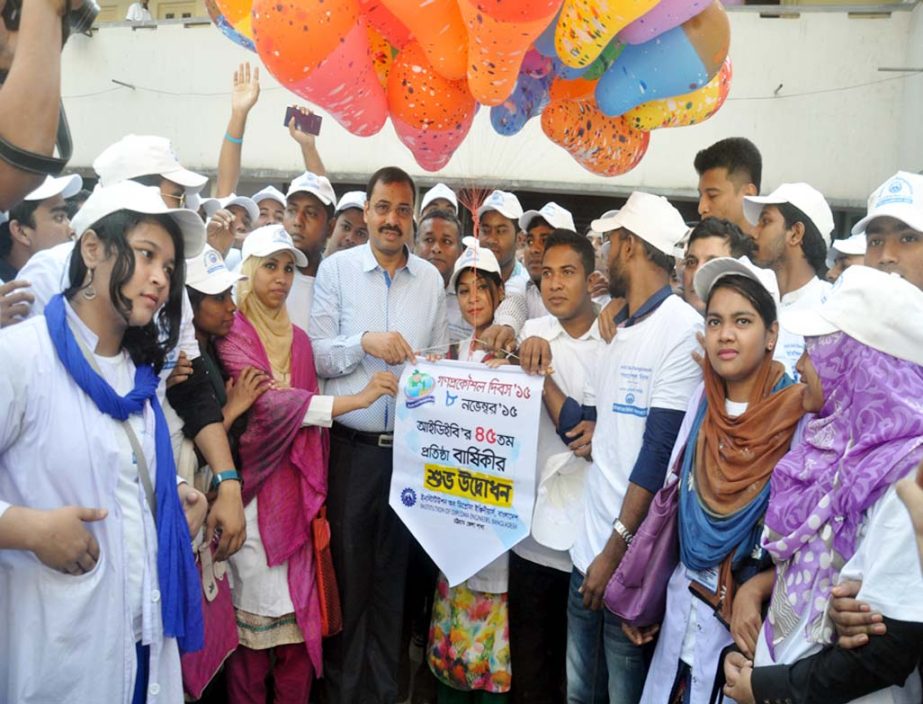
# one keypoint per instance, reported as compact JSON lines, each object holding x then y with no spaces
{"x":369,"y":544}
{"x":538,"y":632}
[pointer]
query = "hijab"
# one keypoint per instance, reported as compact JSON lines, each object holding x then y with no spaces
{"x":272,"y":325}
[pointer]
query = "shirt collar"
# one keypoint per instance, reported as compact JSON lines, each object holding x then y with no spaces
{"x":793,"y":296}
{"x":370,"y":263}
{"x":556,"y":330}
{"x":648,"y":307}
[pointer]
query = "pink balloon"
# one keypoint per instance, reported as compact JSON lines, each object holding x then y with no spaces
{"x":664,"y":16}
{"x":346,"y":86}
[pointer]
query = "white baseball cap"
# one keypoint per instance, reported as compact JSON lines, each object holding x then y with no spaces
{"x":351,"y":199}
{"x":806,"y":198}
{"x":600,"y":224}
{"x":900,"y":197}
{"x":440,"y":190}
{"x":318,"y":186}
{"x":880,"y":310}
{"x":505,"y":203}
{"x":474,"y":257}
{"x":208,"y":274}
{"x":212,"y":205}
{"x":650,"y":217}
{"x":269,"y":193}
{"x":559,"y":218}
{"x":128,"y":195}
{"x":851,"y":246}
{"x":270,"y":239}
{"x":65,"y":186}
{"x":142,"y":155}
{"x":711,"y":271}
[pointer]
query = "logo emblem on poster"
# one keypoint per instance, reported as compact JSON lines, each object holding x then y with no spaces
{"x":408,"y":497}
{"x":419,"y":389}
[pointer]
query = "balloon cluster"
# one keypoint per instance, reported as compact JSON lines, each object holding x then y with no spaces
{"x":601,"y":74}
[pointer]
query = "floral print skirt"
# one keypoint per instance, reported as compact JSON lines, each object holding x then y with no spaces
{"x":469,"y":639}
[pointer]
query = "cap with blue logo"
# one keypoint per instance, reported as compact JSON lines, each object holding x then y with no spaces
{"x":208,"y":274}
{"x":270,"y":239}
{"x":318,"y":186}
{"x":900,"y":197}
{"x":505,"y":203}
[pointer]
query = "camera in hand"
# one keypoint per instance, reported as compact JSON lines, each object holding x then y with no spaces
{"x":75,"y":20}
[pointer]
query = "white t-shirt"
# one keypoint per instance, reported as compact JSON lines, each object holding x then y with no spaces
{"x":648,"y":365}
{"x":887,"y":563}
{"x":459,"y":328}
{"x":574,"y":361}
{"x":300,"y":299}
{"x":790,"y":346}
{"x":138,"y":13}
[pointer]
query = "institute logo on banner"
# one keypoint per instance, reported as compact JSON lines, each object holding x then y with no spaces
{"x":408,"y":497}
{"x":419,"y":389}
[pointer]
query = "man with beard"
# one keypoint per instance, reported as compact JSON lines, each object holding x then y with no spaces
{"x":352,"y":341}
{"x":643,"y":383}
{"x":439,"y":243}
{"x":538,"y":224}
{"x":309,"y":206}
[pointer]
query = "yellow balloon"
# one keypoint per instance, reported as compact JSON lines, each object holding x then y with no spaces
{"x":585,"y":27}
{"x":682,"y":110}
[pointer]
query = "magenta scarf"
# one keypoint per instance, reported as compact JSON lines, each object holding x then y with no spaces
{"x":284,"y":465}
{"x":868,"y":435}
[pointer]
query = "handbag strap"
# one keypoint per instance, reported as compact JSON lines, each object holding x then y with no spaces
{"x":143,"y":472}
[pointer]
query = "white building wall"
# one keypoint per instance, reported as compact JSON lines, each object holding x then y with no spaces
{"x":836,"y":122}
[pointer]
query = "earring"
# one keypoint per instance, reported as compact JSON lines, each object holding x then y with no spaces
{"x":770,"y":346}
{"x":89,"y":291}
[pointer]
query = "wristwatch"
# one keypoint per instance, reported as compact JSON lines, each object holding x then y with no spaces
{"x":227,"y":475}
{"x":625,"y":534}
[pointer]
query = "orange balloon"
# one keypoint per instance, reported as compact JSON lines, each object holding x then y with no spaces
{"x":389,"y":26}
{"x":294,"y":36}
{"x":574,"y":89}
{"x":438,"y":27}
{"x":496,"y":46}
{"x":431,"y":114}
{"x":607,"y":146}
{"x":235,"y":10}
{"x":382,"y":55}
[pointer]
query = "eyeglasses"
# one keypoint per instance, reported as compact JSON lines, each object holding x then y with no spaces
{"x":383,"y":208}
{"x":180,"y":199}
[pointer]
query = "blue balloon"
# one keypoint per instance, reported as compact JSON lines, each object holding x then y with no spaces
{"x":544,"y":45}
{"x":527,"y":101}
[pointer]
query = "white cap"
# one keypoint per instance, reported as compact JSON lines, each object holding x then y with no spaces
{"x":806,"y":198}
{"x":351,"y":199}
{"x":271,"y":193}
{"x":711,"y":271}
{"x":900,"y":197}
{"x":316,"y":185}
{"x":128,"y":195}
{"x":559,"y":218}
{"x":65,"y":186}
{"x":600,"y":224}
{"x":142,"y":155}
{"x":650,"y":217}
{"x":474,"y":257}
{"x":211,"y":205}
{"x":440,"y":190}
{"x":504,"y":203}
{"x":852,"y":246}
{"x":880,"y":310}
{"x":208,"y":274}
{"x":270,"y":239}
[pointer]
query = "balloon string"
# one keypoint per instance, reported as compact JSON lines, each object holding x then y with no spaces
{"x":509,"y":355}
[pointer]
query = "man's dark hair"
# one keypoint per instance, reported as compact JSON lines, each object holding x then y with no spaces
{"x":535,"y":222}
{"x":741,"y":245}
{"x":24,"y":213}
{"x":738,"y":155}
{"x":813,"y":245}
{"x":581,"y":245}
{"x":75,"y":202}
{"x":446,"y":216}
{"x":148,"y":344}
{"x":388,"y":175}
{"x":658,"y":258}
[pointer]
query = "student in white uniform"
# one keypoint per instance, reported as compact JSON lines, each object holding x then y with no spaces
{"x":741,"y":420}
{"x":540,"y":565}
{"x":792,"y":227}
{"x":99,"y":588}
{"x":863,"y":369}
{"x":642,"y":387}
{"x":310,"y":200}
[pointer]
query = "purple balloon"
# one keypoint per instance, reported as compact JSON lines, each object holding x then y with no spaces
{"x":664,"y":16}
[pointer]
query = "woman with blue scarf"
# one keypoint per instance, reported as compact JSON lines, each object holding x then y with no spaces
{"x":98,"y":587}
{"x":739,"y":423}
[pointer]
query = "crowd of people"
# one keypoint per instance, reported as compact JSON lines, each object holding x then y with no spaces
{"x":190,"y":383}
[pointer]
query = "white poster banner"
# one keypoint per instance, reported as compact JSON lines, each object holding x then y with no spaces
{"x":464,"y":460}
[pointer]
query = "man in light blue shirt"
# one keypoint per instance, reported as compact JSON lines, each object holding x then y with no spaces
{"x":375,"y":307}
